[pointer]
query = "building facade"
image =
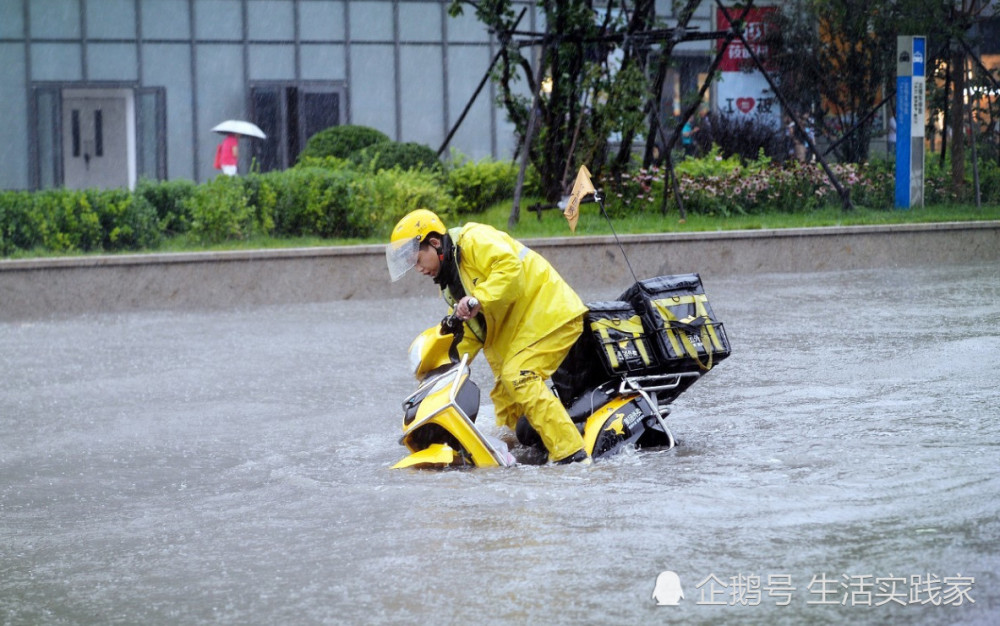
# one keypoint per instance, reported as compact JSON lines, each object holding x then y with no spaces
{"x":100,"y":93}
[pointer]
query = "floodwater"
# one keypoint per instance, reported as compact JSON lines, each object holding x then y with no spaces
{"x":233,"y":468}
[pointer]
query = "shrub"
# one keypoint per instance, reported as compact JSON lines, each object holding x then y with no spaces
{"x":125,"y":224}
{"x":307,"y":200}
{"x":743,"y":137}
{"x":390,"y":154}
{"x":989,"y":181}
{"x":327,"y":162}
{"x":341,"y":141}
{"x":20,"y":223}
{"x":475,"y":186}
{"x":168,"y":200}
{"x":67,"y":220}
{"x":380,"y":198}
{"x":221,"y":210}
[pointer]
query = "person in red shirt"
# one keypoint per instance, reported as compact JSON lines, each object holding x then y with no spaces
{"x":227,"y":155}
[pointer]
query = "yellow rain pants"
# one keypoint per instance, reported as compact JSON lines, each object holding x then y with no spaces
{"x":521,"y":390}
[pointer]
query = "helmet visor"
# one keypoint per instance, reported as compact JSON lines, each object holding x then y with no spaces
{"x":401,"y":256}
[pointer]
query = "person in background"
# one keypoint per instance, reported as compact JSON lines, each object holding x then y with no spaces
{"x":227,"y":154}
{"x":515,"y":307}
{"x":687,"y":139}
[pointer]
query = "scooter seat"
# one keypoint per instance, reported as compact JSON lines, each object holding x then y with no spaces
{"x":584,"y":406}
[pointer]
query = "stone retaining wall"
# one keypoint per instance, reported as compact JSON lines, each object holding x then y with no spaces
{"x":42,"y":288}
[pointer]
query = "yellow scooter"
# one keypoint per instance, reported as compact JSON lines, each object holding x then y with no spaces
{"x":439,"y":418}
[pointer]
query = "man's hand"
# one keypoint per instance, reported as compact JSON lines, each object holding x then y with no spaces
{"x":467,"y":308}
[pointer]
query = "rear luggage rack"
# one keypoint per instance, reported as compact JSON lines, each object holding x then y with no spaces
{"x":650,"y":385}
{"x":657,"y":382}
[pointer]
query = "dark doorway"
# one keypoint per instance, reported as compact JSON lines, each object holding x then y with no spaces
{"x":289,"y":114}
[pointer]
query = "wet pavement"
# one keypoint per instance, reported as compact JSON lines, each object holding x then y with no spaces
{"x":233,"y":468}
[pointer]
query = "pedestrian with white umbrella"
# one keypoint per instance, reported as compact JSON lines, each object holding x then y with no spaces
{"x":227,"y":153}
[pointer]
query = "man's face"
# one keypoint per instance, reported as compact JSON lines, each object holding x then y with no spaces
{"x":428,"y":262}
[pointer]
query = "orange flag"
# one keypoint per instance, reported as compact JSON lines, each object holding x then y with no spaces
{"x":581,"y":187}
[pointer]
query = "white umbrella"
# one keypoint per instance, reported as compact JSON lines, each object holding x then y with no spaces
{"x":240,"y":127}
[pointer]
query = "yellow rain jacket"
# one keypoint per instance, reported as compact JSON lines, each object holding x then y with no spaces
{"x":523,"y":300}
{"x":522,"y":296}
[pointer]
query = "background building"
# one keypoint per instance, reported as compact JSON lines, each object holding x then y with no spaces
{"x":104,"y":92}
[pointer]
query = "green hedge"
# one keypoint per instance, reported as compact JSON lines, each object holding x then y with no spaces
{"x":331,"y":198}
{"x":313,"y":201}
{"x":475,"y":186}
{"x":341,"y":141}
{"x":390,"y":154}
{"x":70,"y":221}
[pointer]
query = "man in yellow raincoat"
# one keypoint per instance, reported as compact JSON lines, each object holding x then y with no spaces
{"x":526,"y":320}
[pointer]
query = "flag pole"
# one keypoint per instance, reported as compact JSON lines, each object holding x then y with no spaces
{"x":600,"y":201}
{"x":583,"y":188}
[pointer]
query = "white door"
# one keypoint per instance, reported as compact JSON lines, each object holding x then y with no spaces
{"x":98,"y":138}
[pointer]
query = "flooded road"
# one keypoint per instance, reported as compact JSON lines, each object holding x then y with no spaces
{"x":233,"y":468}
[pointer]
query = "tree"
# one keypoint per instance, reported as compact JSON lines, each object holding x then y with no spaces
{"x":837,"y":56}
{"x":585,"y":77}
{"x":958,"y":22}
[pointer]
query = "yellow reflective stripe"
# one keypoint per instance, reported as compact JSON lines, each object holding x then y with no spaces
{"x":608,"y":345}
{"x":689,"y":348}
{"x":631,"y":326}
{"x":669,"y":316}
{"x":640,"y":343}
{"x":702,"y":311}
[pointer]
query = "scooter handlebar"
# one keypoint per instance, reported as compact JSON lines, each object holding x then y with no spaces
{"x":452,"y":324}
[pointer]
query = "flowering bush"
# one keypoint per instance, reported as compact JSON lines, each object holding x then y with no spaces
{"x":636,"y":191}
{"x":713,"y":185}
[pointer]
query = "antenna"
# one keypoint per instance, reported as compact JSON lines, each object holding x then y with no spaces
{"x":600,"y":200}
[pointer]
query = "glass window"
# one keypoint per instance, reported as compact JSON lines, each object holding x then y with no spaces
{"x":11,"y":20}
{"x":56,"y":61}
{"x":320,"y":109}
{"x":269,"y":20}
{"x":110,"y":19}
{"x":165,"y":19}
{"x":112,"y":61}
{"x":271,"y":62}
{"x":267,"y":113}
{"x":321,"y":21}
{"x":214,"y":19}
{"x":290,"y":113}
{"x":467,"y":29}
{"x":419,"y":22}
{"x":54,"y":19}
{"x":371,"y":21}
{"x":322,"y":62}
{"x":151,"y":133}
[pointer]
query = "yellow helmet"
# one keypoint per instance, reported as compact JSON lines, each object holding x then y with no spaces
{"x":404,"y":243}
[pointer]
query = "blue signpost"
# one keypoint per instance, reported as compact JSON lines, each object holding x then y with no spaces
{"x":910,"y":120}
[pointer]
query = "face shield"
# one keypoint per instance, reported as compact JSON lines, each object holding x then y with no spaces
{"x":401,"y":256}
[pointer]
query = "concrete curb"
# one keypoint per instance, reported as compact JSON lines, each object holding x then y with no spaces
{"x":41,"y":288}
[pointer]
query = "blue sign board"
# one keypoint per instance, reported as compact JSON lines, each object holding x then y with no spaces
{"x":911,"y":60}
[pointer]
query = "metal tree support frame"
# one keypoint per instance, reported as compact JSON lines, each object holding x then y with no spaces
{"x":845,"y":195}
{"x":673,"y":35}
